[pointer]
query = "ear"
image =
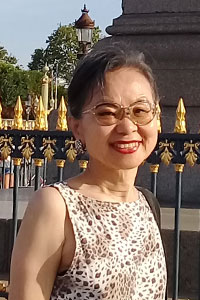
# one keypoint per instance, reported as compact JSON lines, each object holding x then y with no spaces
{"x":75,"y":126}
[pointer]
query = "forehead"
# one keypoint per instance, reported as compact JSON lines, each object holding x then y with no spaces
{"x":123,"y":86}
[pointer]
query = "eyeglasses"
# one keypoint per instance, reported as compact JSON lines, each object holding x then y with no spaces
{"x":140,"y":112}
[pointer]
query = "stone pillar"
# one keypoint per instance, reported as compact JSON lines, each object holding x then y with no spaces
{"x":168,"y":33}
{"x":45,"y":88}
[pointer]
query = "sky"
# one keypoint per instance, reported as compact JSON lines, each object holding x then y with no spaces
{"x":26,"y":24}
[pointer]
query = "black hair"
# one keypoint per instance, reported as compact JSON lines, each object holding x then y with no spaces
{"x":90,"y":73}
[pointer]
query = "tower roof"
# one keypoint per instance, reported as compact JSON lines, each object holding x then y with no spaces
{"x":84,"y":21}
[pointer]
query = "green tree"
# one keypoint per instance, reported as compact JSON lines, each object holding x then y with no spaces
{"x":15,"y":82}
{"x":38,"y":60}
{"x":61,"y":51}
{"x":4,"y":56}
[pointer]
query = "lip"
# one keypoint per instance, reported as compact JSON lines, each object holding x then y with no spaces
{"x":126,"y":147}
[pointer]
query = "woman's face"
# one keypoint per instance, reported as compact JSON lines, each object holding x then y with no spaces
{"x":123,"y":145}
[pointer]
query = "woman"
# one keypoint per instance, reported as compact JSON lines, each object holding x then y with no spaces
{"x":95,"y":236}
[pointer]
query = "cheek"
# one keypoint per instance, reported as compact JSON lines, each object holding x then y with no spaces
{"x":150,"y":133}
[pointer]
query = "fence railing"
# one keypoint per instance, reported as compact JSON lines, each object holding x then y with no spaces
{"x":31,"y":151}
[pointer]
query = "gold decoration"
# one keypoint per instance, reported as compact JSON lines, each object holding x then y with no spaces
{"x":180,"y":126}
{"x":27,"y":151}
{"x":5,"y":146}
{"x":179,"y":168}
{"x":60,"y":163}
{"x":38,"y":162}
{"x":1,"y":123}
{"x":191,"y":156}
{"x":71,"y":152}
{"x":17,"y":161}
{"x":158,"y":117}
{"x":83,"y":164}
{"x":48,"y":150}
{"x":18,"y":121}
{"x":3,"y":286}
{"x":154,"y":168}
{"x":166,"y":156}
{"x":40,"y":121}
{"x":62,"y":119}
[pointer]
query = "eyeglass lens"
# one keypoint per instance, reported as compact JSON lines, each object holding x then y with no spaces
{"x":140,"y":113}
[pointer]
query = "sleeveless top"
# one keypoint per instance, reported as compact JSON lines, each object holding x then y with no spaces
{"x":119,"y":253}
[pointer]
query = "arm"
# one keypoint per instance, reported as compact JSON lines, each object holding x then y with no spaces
{"x":38,"y":248}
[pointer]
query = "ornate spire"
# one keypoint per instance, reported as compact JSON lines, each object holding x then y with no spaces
{"x":18,"y":121}
{"x":62,"y":119}
{"x":40,"y":116}
{"x":158,"y":118}
{"x":180,"y":125}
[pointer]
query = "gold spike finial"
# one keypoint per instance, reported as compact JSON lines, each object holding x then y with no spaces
{"x":62,"y":119}
{"x":18,"y":121}
{"x":158,"y":117}
{"x":180,"y":126}
{"x":1,"y":123}
{"x":40,"y":116}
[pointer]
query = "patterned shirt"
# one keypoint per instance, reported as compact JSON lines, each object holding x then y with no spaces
{"x":119,"y":253}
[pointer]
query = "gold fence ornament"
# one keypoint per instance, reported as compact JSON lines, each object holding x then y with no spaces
{"x":5,"y":146}
{"x":158,"y":117}
{"x":1,"y":123}
{"x":60,"y":163}
{"x":27,"y":146}
{"x":71,"y":152}
{"x":48,"y":150}
{"x":17,"y":161}
{"x":62,"y":116}
{"x":166,"y":156}
{"x":180,"y":125}
{"x":179,"y":168}
{"x":40,"y":116}
{"x":154,"y":168}
{"x":83,"y":163}
{"x":18,"y":110}
{"x":191,"y":156}
{"x":38,"y":162}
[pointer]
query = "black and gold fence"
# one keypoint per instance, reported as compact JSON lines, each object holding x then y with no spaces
{"x":39,"y":147}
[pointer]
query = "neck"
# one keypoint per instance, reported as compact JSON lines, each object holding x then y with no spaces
{"x":117,"y":184}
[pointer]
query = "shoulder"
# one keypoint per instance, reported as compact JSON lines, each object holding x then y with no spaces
{"x":47,"y":200}
{"x":46,"y":211}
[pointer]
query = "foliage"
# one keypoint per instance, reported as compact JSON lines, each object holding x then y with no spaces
{"x":15,"y":82}
{"x":5,"y":57}
{"x":61,"y":52}
{"x":38,"y":60}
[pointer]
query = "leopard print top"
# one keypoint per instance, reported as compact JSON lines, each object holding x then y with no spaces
{"x":119,"y":253}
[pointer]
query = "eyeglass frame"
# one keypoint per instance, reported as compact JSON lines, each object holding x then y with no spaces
{"x":153,"y":106}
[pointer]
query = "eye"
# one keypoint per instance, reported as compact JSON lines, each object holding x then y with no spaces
{"x":106,"y":110}
{"x":140,"y":110}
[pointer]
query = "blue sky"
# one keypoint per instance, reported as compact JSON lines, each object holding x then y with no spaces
{"x":26,"y":24}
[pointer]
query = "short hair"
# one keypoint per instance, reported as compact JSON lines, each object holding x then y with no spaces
{"x":90,"y":73}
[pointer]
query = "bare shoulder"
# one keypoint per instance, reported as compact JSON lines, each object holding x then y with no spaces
{"x":38,"y":248}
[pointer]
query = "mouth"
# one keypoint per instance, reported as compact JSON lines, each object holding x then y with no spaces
{"x":126,"y":147}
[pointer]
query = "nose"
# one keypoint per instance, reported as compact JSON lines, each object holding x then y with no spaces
{"x":126,"y":126}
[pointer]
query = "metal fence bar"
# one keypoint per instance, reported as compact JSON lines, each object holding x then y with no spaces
{"x":154,"y":173}
{"x":179,"y":170}
{"x":60,"y":167}
{"x":37,"y":178}
{"x":3,"y":175}
{"x":45,"y":171}
{"x":17,"y":162}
